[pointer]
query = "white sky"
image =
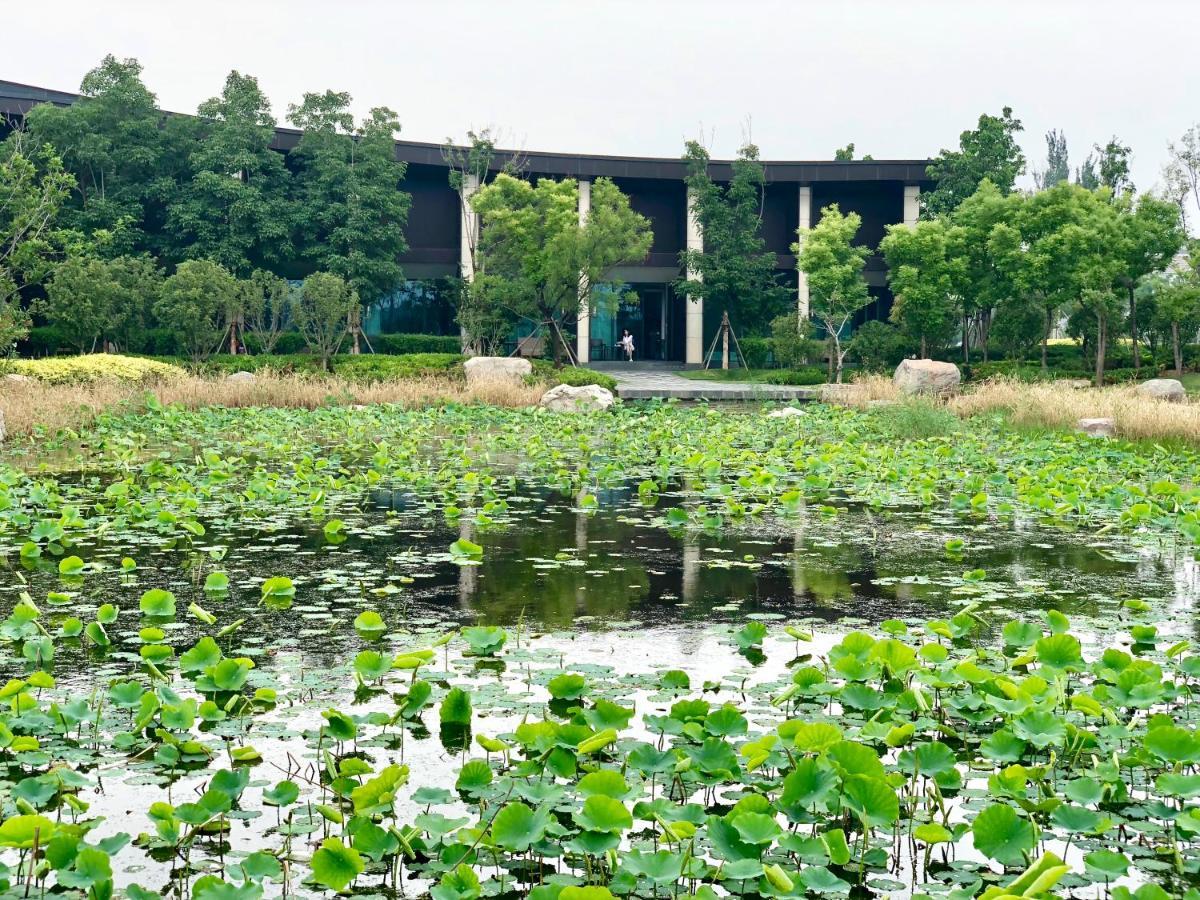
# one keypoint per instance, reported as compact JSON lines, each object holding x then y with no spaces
{"x":900,"y":79}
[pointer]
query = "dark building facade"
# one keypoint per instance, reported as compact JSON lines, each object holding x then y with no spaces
{"x":665,"y":326}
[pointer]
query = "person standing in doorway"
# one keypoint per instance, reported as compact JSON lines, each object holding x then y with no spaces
{"x":626,"y":344}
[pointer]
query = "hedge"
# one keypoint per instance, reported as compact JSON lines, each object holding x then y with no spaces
{"x":96,"y":367}
{"x":544,"y":371}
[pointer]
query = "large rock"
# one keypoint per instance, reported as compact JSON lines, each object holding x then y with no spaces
{"x":3,"y":428}
{"x":496,"y":370}
{"x":926,"y":376}
{"x":585,"y":398}
{"x":1101,"y":428}
{"x":1163,"y":389}
{"x":240,"y":377}
{"x":16,"y":378}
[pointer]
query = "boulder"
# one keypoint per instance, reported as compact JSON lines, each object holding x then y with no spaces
{"x":927,"y":376}
{"x":16,"y":378}
{"x":1163,"y":389}
{"x":3,"y":428}
{"x":1101,"y":428}
{"x":585,"y":398}
{"x":241,"y":377}
{"x":496,"y":369}
{"x":836,"y":393}
{"x":786,"y":412}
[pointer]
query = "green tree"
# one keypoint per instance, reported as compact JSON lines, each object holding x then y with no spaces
{"x":1177,"y":309}
{"x":1151,"y":233}
{"x":266,"y":305}
{"x":925,"y":270}
{"x":101,"y":302}
{"x":734,"y":272}
{"x":1113,"y":166}
{"x":834,"y":264}
{"x":989,"y":151}
{"x":1058,"y":167}
{"x":539,"y":262}
{"x":1182,"y":171}
{"x":33,"y":188}
{"x":234,"y":209}
{"x":325,"y":309}
{"x":126,"y":157}
{"x":984,"y":218}
{"x":1102,"y":307}
{"x":194,"y":303}
{"x":350,"y":209}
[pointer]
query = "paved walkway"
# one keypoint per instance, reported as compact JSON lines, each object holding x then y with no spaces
{"x":642,"y":384}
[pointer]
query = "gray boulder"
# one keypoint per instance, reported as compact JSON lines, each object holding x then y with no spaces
{"x":241,"y":377}
{"x":496,"y":370}
{"x":927,"y":376}
{"x":16,"y":378}
{"x":585,"y":398}
{"x":1100,"y":428}
{"x":1168,"y":389}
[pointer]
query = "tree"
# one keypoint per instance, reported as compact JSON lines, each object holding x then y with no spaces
{"x":325,"y":309}
{"x":1151,"y":234}
{"x":990,"y":151}
{"x":1058,"y":167}
{"x":925,"y":269}
{"x":1086,"y":176}
{"x":1103,"y":306}
{"x":1113,"y":166}
{"x":33,"y":187}
{"x":193,"y":304}
{"x":1182,"y":172}
{"x":1177,"y":309}
{"x":537,"y":259}
{"x":1069,"y":241}
{"x":94,"y":301}
{"x":350,"y":208}
{"x":984,"y":218}
{"x":234,"y":209}
{"x":266,"y":303}
{"x":834,"y":265}
{"x":734,"y":271}
{"x":471,"y":166}
{"x":127,"y":159}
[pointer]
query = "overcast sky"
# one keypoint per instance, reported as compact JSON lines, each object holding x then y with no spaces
{"x":900,"y":79}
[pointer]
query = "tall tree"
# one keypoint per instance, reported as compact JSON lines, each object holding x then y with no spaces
{"x":926,"y":268}
{"x":1176,"y":301}
{"x":97,"y":302}
{"x":1182,"y":172}
{"x":266,"y":307}
{"x":350,"y":207}
{"x":126,"y":157}
{"x":989,"y":151}
{"x":1086,"y":175}
{"x":194,"y":303}
{"x":1113,"y":166}
{"x":1058,"y":166}
{"x":33,"y":188}
{"x":539,"y":261}
{"x":735,"y":271}
{"x":234,"y":209}
{"x":834,"y":265}
{"x":984,"y":218}
{"x":1151,"y":233}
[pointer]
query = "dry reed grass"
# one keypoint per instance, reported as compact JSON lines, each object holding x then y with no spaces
{"x":29,"y":404}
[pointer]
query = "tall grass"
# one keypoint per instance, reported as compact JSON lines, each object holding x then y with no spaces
{"x":30,"y":404}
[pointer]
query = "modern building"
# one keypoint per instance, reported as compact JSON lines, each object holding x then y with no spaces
{"x":665,"y":325}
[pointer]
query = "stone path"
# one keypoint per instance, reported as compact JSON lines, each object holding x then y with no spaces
{"x":635,"y":384}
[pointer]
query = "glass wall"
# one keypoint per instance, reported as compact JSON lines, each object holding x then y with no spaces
{"x":655,"y":319}
{"x":418,"y":306}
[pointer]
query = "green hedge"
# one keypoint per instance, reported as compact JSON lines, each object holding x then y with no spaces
{"x":416,"y":343}
{"x":544,"y":371}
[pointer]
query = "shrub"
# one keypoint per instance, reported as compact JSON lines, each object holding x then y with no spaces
{"x":804,"y":375}
{"x":878,"y":346}
{"x":916,"y":419}
{"x":44,"y":340}
{"x":287,"y":344}
{"x":792,"y":346}
{"x":544,"y":371}
{"x":376,"y":367}
{"x":757,"y":352}
{"x":416,"y":343}
{"x":97,"y":367}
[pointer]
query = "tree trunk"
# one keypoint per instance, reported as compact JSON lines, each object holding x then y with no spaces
{"x":1101,"y":340}
{"x":829,"y":356}
{"x":1175,"y":348}
{"x":924,"y":354}
{"x":1046,"y":337}
{"x":966,"y":339}
{"x":985,"y":328}
{"x":837,"y":349}
{"x":1137,"y":356}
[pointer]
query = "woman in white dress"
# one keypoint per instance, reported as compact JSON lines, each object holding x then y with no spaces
{"x":626,"y":344}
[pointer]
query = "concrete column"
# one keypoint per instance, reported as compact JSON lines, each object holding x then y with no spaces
{"x":912,"y":204}
{"x":805,"y":223}
{"x":468,"y":228}
{"x":694,"y":332}
{"x":583,"y":331}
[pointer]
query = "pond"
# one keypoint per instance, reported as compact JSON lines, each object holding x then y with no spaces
{"x":276,"y":675}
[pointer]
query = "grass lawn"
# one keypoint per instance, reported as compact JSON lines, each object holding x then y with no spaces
{"x":1191,"y":381}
